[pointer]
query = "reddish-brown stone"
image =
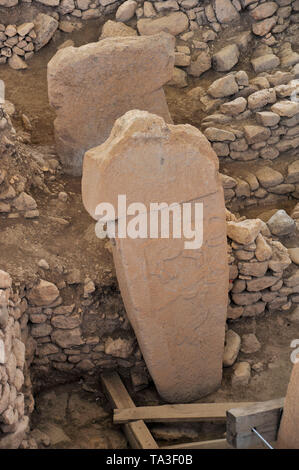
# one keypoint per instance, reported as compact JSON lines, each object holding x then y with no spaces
{"x":175,"y":298}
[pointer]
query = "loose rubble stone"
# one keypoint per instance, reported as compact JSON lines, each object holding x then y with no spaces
{"x":219,"y":135}
{"x":280,"y":259}
{"x":226,"y":58}
{"x":267,"y":118}
{"x":179,"y":78}
{"x":255,"y":285}
{"x":247,"y":298}
{"x":257,"y":269}
{"x":259,"y":99}
{"x":201,"y":64}
{"x":241,"y":375}
{"x":5,"y":280}
{"x":294,"y":316}
{"x":225,"y":11}
{"x":175,"y":23}
{"x":264,"y":11}
{"x":263,"y":251}
{"x":25,"y":29}
{"x":124,"y":149}
{"x":16,"y":63}
{"x":281,"y":224}
{"x":137,"y":86}
{"x":255,"y":134}
{"x":286,"y":108}
{"x":234,"y":107}
{"x":269,"y":177}
{"x":24,"y":202}
{"x":13,"y":440}
{"x":119,"y":347}
{"x":44,"y":293}
{"x":293,"y":172}
{"x":265,"y":62}
{"x":261,"y":28}
{"x":294,"y":255}
{"x":67,"y":338}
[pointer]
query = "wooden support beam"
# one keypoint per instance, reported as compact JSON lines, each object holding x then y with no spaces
{"x":215,"y":444}
{"x":173,"y":413}
{"x":264,"y":416}
{"x":137,"y":433}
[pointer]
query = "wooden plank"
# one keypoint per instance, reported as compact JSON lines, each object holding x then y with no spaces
{"x":215,"y":444}
{"x":137,"y":433}
{"x":173,"y":413}
{"x":264,"y":416}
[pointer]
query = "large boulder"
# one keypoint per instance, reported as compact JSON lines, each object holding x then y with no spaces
{"x":91,"y":86}
{"x":175,"y":296}
{"x":225,"y":59}
{"x":281,"y":224}
{"x":200,"y":64}
{"x":126,"y":10}
{"x":264,"y":11}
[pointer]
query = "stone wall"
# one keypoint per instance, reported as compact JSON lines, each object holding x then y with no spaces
{"x":14,"y":387}
{"x":263,"y":273}
{"x":265,"y":116}
{"x":264,"y":186}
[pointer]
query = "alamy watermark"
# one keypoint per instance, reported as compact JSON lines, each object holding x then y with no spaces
{"x":160,"y":220}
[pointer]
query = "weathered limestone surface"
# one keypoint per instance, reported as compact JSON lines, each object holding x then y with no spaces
{"x":288,"y":436}
{"x":175,"y":297}
{"x":93,"y":85}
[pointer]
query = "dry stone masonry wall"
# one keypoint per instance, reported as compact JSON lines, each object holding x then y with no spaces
{"x":271,"y":112}
{"x":13,"y":385}
{"x":86,"y":336}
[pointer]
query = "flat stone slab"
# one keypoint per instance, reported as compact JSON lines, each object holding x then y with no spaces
{"x":93,"y":85}
{"x":175,"y":298}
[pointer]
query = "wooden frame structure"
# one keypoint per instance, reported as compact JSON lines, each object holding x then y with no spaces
{"x":240,"y":418}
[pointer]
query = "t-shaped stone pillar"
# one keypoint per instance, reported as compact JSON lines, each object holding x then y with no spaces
{"x":288,"y":436}
{"x":91,"y":86}
{"x":175,"y":298}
